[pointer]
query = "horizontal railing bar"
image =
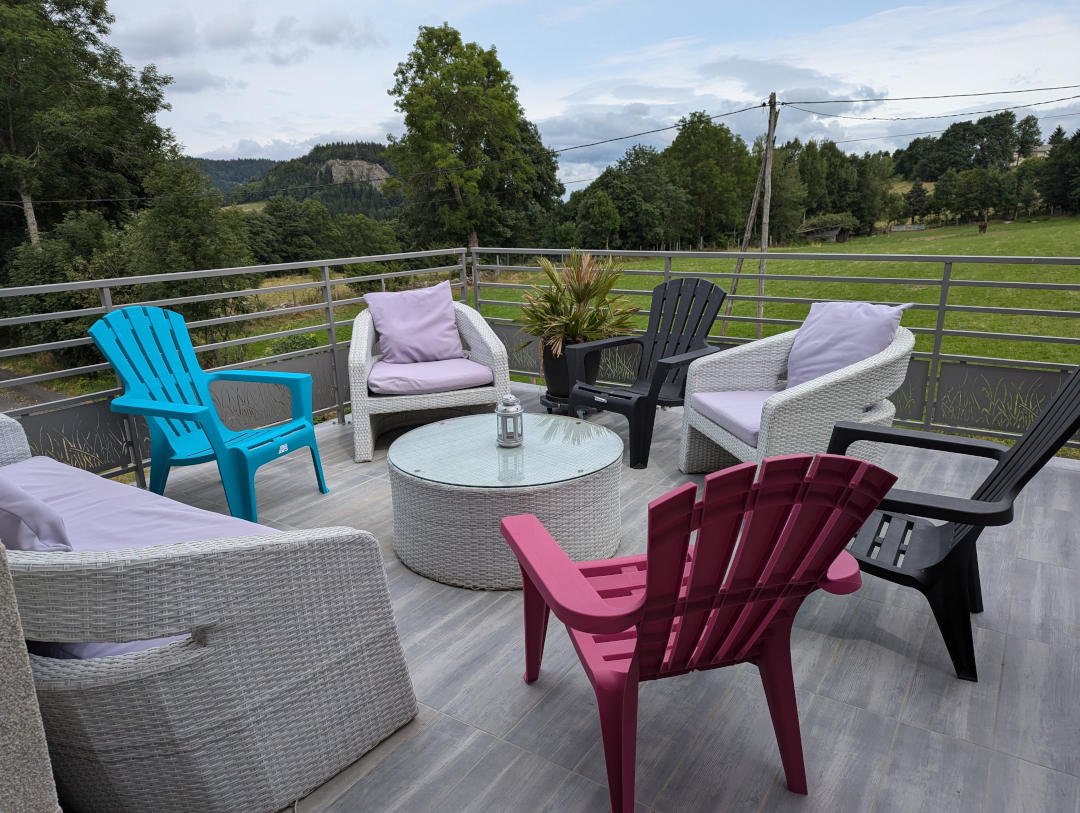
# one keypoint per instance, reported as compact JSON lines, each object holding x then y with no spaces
{"x":27,"y":349}
{"x":797,"y":255}
{"x":182,"y":300}
{"x":48,"y":317}
{"x":34,"y":379}
{"x":117,"y":282}
{"x":247,"y":317}
{"x":63,"y":403}
{"x":1011,"y":337}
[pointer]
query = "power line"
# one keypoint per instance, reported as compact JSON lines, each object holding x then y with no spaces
{"x":943,"y":96}
{"x":939,"y":116}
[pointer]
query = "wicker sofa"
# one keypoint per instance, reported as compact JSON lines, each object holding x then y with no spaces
{"x":290,"y":666}
{"x":373,"y":414}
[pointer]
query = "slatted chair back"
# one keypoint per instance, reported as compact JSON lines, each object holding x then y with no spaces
{"x":1058,"y":422}
{"x":761,"y":547}
{"x":680,"y":316}
{"x":151,"y":352}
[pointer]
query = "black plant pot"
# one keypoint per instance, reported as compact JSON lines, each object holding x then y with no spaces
{"x":557,"y":377}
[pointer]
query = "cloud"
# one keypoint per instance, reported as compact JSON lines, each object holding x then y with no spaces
{"x":282,"y":149}
{"x":193,"y":80}
{"x":569,"y":14}
{"x":290,"y":57}
{"x":165,"y":36}
{"x":342,"y":31}
{"x":230,"y":31}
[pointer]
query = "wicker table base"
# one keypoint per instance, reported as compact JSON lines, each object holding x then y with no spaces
{"x":450,"y":533}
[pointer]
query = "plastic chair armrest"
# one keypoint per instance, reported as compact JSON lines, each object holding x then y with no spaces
{"x":158,"y":409}
{"x":565,"y":590}
{"x":843,"y":576}
{"x":575,"y":353}
{"x":847,"y":432}
{"x":950,"y":509}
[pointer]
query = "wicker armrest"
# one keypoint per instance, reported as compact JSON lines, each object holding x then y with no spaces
{"x":13,"y":444}
{"x":361,"y":352}
{"x":485,"y":347}
{"x":752,"y":366}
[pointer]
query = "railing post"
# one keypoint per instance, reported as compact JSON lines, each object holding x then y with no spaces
{"x":130,"y":426}
{"x":667,"y":268}
{"x":935,"y":355}
{"x":476,"y":281}
{"x":328,"y":298}
{"x":463,"y":275}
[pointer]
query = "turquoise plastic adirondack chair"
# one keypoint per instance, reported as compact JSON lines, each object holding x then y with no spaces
{"x":151,"y":351}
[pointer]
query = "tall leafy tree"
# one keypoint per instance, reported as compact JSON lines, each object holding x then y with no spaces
{"x":76,"y":122}
{"x":714,"y":168}
{"x":598,"y":220}
{"x":1028,"y":137}
{"x":470,"y":163}
{"x":915,"y":200}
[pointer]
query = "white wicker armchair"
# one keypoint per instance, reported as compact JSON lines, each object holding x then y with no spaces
{"x":292,"y":669}
{"x":795,"y":420}
{"x":373,"y":414}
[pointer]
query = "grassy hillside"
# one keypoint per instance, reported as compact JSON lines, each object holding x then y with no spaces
{"x":1047,"y":237}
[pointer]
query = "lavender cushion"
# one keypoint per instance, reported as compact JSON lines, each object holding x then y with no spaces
{"x":836,"y":334}
{"x":416,"y":325}
{"x":103,"y":514}
{"x":738,"y":411}
{"x":423,"y":377}
{"x":27,"y":523}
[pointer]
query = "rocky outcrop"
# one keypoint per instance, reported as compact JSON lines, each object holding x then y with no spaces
{"x":342,"y":170}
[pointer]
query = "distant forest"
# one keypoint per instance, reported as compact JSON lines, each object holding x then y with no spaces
{"x":229,"y":173}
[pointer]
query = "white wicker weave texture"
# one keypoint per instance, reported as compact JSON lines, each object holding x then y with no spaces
{"x":451,"y":486}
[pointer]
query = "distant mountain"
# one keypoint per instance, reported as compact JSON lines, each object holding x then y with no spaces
{"x":347,"y":177}
{"x":225,"y":175}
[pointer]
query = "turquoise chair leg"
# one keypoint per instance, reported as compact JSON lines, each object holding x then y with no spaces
{"x":318,"y":468}
{"x":239,"y":484}
{"x":159,"y":473}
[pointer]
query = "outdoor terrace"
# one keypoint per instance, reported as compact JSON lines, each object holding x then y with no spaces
{"x":886,"y":725}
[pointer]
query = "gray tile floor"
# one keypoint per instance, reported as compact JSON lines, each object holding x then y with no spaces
{"x":886,"y":725}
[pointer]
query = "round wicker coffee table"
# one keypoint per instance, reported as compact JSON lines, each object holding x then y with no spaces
{"x":451,"y":486}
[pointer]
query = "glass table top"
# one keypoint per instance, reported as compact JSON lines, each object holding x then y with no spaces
{"x":463,"y":452}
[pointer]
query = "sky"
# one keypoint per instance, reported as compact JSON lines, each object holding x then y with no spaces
{"x":270,"y":79}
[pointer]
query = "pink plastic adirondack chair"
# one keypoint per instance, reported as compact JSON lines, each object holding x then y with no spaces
{"x":731,"y":597}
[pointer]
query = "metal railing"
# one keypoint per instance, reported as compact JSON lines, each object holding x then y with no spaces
{"x":482,"y":272}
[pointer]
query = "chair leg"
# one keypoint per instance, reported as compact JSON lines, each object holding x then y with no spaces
{"x":949,"y":602}
{"x":159,"y":474}
{"x":618,"y":727}
{"x":363,"y":437}
{"x":317,"y":461}
{"x":536,"y":622}
{"x":774,"y":665}
{"x":641,"y":430}
{"x":239,"y":486}
{"x":974,"y":585}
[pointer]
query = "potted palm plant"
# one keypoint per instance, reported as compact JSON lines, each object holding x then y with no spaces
{"x":577,"y":306}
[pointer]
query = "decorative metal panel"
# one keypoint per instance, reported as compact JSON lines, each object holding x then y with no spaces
{"x":981,"y":396}
{"x":910,"y":399}
{"x":88,"y":436}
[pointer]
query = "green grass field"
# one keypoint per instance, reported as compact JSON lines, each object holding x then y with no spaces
{"x":1047,"y":237}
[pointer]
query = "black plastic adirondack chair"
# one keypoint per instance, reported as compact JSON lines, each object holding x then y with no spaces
{"x":898,"y":544}
{"x":680,"y":317}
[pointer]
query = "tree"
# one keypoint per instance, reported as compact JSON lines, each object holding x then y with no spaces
{"x":873,"y":172}
{"x":470,"y":164}
{"x":997,"y":140}
{"x":598,"y":220}
{"x":1028,"y":137}
{"x":78,"y":123}
{"x":812,"y":170}
{"x":915,"y":200}
{"x":714,"y":169}
{"x":787,"y":207}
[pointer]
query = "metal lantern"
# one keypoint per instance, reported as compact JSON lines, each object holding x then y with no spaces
{"x":508,"y":414}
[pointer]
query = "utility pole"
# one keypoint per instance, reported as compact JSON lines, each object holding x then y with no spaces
{"x":769,"y":139}
{"x":764,"y":175}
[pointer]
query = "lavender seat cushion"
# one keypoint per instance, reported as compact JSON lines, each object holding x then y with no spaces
{"x":836,"y":334}
{"x":102,"y":514}
{"x":416,"y":325}
{"x":422,"y":377}
{"x":738,"y":411}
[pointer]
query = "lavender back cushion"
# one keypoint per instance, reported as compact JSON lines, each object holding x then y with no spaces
{"x":836,"y":334}
{"x":416,"y":325}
